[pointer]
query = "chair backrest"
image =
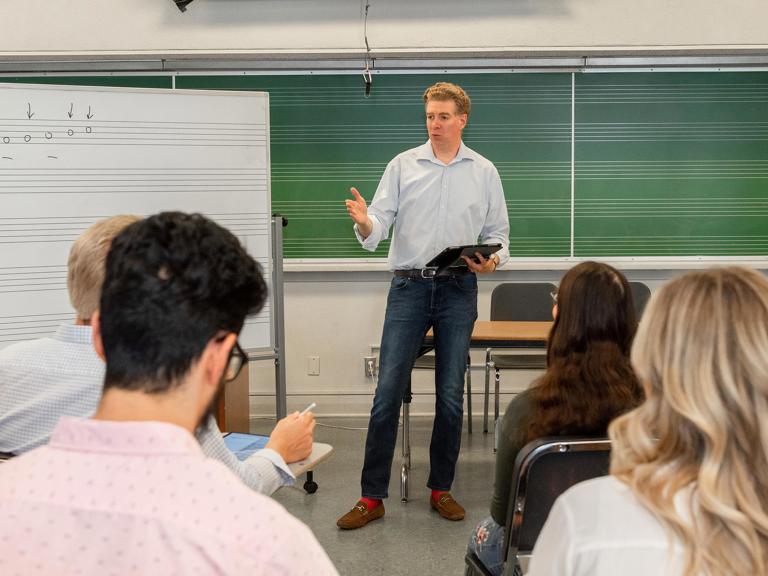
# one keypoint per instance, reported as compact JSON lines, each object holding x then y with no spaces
{"x":640,"y":294}
{"x":544,"y":469}
{"x":522,"y":301}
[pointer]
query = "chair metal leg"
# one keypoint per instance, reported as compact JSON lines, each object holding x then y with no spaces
{"x":487,"y":389}
{"x":406,"y":464}
{"x":469,"y":394}
{"x":496,"y":399}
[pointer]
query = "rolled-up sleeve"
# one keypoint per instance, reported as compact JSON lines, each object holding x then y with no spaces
{"x":383,"y":208}
{"x":496,"y":229}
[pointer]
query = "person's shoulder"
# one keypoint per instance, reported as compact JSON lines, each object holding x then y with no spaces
{"x":411,"y":155}
{"x":479,"y":160}
{"x":607,"y":509}
{"x":519,"y":405}
{"x":20,"y":350}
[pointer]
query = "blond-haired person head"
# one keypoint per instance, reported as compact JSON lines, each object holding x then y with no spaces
{"x":696,"y":452}
{"x":85,"y":267}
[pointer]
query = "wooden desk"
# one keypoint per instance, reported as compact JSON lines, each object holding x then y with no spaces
{"x":509,"y":334}
{"x":504,"y":334}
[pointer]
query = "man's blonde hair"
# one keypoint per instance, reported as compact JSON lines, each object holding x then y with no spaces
{"x":87,"y":257}
{"x":696,"y":452}
{"x":444,"y":91}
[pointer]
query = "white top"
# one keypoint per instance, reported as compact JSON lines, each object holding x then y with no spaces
{"x":42,"y":380}
{"x":598,"y":528}
{"x":435,"y":205}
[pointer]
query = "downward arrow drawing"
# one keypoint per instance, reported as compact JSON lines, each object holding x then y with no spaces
{"x":89,"y":115}
{"x":71,"y":107}
{"x":29,"y":110}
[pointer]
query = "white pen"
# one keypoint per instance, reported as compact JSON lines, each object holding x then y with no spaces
{"x":307,"y":409}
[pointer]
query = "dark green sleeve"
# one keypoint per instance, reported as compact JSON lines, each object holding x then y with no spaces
{"x":512,"y":437}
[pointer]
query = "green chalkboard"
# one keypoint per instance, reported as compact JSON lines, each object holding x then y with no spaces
{"x":671,"y":164}
{"x":327,"y":136}
{"x":664,"y":164}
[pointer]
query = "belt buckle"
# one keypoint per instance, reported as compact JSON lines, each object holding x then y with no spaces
{"x":428,"y":272}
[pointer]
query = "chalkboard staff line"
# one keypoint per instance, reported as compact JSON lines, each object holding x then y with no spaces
{"x":125,"y":141}
{"x":48,"y":318}
{"x":29,"y":325}
{"x":184,"y":172}
{"x":178,"y":181}
{"x":86,"y":184}
{"x":147,"y":190}
{"x":172,"y":144}
{"x":38,"y":120}
{"x":756,"y":176}
{"x":51,"y":315}
{"x":21,"y":330}
{"x":32,"y":289}
{"x":180,"y":131}
{"x":510,"y":101}
{"x":41,"y":278}
{"x":681,"y":100}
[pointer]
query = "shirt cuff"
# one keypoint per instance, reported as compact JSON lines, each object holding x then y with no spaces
{"x":370,"y":243}
{"x":286,"y":475}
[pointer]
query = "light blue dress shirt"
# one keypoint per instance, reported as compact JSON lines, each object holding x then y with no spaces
{"x":45,"y":379}
{"x":435,"y":205}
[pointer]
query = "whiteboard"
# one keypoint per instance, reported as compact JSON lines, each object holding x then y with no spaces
{"x":70,"y":156}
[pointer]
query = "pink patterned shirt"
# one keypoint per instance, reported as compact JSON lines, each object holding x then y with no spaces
{"x":119,"y":498}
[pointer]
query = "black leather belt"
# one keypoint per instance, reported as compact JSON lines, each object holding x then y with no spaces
{"x":432,"y":273}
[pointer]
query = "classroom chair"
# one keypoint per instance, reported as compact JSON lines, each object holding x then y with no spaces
{"x":543,"y":470}
{"x":520,"y":301}
{"x":640,"y":295}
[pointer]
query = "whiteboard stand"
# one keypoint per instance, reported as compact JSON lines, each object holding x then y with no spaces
{"x":278,"y":318}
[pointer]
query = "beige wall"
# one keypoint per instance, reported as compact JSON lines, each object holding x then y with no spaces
{"x":36,"y":28}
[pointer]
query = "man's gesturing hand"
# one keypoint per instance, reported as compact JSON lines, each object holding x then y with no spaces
{"x":292,"y":437}
{"x":358,"y":211}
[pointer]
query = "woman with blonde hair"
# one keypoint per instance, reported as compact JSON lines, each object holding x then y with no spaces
{"x":688,"y":491}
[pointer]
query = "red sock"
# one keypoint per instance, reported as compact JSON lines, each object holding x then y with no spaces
{"x":371,"y":502}
{"x":437,"y":493}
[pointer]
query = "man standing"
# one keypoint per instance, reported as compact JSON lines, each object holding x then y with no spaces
{"x":437,"y":195}
{"x":130,"y":491}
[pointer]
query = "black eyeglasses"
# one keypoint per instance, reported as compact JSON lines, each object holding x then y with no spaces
{"x":237,"y":359}
{"x":554,"y":297}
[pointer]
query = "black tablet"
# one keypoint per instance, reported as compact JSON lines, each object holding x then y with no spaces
{"x":451,"y":256}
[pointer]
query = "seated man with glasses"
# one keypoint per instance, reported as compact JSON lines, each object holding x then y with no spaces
{"x":44,"y":379}
{"x":130,"y":491}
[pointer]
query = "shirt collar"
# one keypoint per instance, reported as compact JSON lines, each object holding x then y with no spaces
{"x":425,"y":152}
{"x":108,"y":436}
{"x":74,"y":334}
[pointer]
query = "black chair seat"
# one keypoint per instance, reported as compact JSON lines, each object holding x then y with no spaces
{"x":519,"y":361}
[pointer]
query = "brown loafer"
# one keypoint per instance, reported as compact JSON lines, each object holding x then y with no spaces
{"x":359,"y":516}
{"x":447,"y":507}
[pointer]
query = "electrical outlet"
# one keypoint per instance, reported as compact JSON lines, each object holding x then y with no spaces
{"x":313,"y":365}
{"x":370,"y":366}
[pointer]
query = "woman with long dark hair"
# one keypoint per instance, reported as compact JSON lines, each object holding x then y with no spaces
{"x":588,"y":382}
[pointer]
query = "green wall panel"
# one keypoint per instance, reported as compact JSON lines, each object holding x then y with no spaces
{"x":671,"y":164}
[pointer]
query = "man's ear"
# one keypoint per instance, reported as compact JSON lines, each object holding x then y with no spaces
{"x":98,"y":345}
{"x":214,"y":359}
{"x":463,"y":118}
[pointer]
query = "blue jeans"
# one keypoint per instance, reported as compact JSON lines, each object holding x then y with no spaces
{"x":449,"y":306}
{"x":487,"y":542}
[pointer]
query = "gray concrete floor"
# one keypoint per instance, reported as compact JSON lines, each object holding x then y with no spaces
{"x":411,"y":538}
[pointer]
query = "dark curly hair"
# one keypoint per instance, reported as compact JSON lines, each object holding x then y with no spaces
{"x":173,"y":281}
{"x":589,"y":379}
